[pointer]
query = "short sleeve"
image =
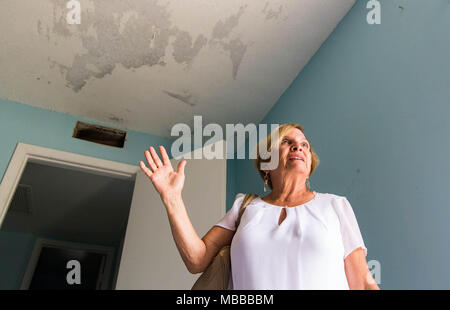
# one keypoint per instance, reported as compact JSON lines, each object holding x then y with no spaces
{"x":229,"y":219}
{"x":351,"y":235}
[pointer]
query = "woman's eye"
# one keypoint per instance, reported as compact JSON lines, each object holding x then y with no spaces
{"x":305,"y":144}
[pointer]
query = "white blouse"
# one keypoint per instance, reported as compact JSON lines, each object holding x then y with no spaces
{"x":306,"y":251}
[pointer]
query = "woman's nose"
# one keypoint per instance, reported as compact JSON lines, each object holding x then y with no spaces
{"x":295,"y":147}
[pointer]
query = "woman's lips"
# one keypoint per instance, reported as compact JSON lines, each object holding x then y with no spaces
{"x":296,"y":158}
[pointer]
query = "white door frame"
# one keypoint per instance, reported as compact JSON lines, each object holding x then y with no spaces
{"x":25,"y":153}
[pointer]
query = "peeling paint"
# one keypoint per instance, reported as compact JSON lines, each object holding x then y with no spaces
{"x":186,"y":98}
{"x":223,"y":29}
{"x":235,"y":47}
{"x":59,"y":19}
{"x":125,"y":18}
{"x":272,"y":13}
{"x":156,"y":33}
{"x":39,"y":26}
{"x":183,"y":49}
{"x":136,"y":33}
{"x":62,"y":69}
{"x":237,"y":50}
{"x":123,"y":32}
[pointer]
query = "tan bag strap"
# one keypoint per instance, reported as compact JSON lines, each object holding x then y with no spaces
{"x":247,"y":199}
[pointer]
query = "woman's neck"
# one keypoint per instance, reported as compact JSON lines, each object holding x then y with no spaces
{"x":289,"y":191}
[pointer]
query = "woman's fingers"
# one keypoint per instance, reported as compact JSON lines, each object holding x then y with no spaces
{"x":164,"y":155}
{"x":151,"y":164}
{"x":181,"y":166}
{"x":155,"y":157}
{"x":147,"y":171}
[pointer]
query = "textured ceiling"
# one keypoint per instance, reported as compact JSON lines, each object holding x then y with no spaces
{"x":146,"y":65}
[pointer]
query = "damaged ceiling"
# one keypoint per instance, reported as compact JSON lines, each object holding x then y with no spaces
{"x":146,"y":65}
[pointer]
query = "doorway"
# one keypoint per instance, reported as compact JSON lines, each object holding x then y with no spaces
{"x":61,"y":211}
{"x":147,"y":257}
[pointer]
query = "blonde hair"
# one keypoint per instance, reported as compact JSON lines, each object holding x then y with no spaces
{"x":282,"y":131}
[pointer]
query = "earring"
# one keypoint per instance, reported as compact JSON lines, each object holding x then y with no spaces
{"x":266,"y":182}
{"x":308,"y":186}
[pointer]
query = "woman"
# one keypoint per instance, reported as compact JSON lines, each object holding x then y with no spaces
{"x":293,"y":238}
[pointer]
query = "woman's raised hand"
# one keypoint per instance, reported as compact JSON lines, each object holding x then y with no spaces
{"x":167,"y":182}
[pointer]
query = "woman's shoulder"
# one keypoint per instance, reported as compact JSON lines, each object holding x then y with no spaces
{"x":241,"y":196}
{"x":238,"y":200}
{"x":338,"y":203}
{"x":329,"y":195}
{"x":332,"y":199}
{"x":247,"y":199}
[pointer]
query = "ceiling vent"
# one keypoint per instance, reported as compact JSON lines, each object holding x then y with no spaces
{"x":21,"y":202}
{"x":99,"y":134}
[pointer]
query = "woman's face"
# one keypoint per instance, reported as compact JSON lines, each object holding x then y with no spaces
{"x":295,"y":153}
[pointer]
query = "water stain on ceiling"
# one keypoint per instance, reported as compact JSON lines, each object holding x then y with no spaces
{"x":165,"y":61}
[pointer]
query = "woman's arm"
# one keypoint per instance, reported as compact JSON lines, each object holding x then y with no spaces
{"x":358,"y":273}
{"x":196,"y":253}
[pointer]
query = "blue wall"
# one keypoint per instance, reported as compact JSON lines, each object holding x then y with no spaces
{"x":375,"y":104}
{"x":16,"y":249}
